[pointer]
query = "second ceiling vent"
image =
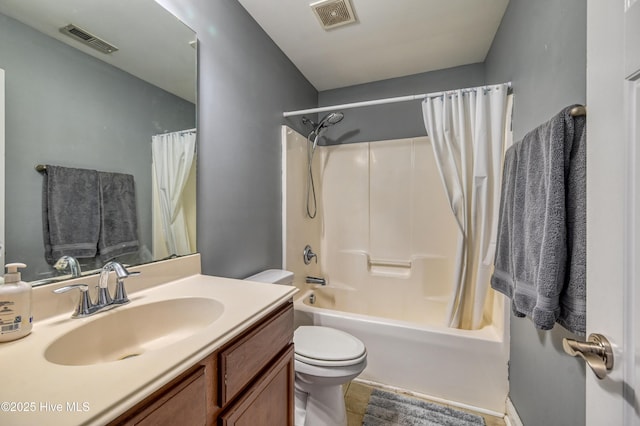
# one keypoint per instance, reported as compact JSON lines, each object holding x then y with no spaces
{"x":333,"y":13}
{"x":87,"y":38}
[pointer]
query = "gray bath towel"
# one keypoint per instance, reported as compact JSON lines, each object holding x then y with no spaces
{"x":70,"y":212}
{"x":119,"y":224}
{"x":540,"y":256}
{"x":573,"y":309}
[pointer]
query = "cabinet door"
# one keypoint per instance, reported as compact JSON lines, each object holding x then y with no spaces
{"x":189,"y":400}
{"x":184,"y":405}
{"x":269,"y":402}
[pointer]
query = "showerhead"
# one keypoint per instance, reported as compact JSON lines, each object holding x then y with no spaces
{"x":328,"y":120}
{"x":331,"y":119}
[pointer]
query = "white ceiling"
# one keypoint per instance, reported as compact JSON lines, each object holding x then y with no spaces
{"x":153,"y":45}
{"x":391,"y":38}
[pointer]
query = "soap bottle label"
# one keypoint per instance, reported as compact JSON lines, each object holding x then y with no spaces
{"x":9,"y":321}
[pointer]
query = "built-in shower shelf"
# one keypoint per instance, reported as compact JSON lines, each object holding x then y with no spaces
{"x":390,"y":267}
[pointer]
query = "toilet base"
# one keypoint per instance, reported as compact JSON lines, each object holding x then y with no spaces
{"x":300,"y":407}
{"x":324,"y":406}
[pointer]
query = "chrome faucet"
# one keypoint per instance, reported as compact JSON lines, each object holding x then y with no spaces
{"x":120,"y":298}
{"x":104,"y":300}
{"x":316,"y":280}
{"x":70,"y":262}
{"x":84,"y":307}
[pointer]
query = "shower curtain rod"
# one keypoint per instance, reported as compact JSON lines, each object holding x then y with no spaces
{"x":194,"y":130}
{"x":387,"y":100}
{"x":180,"y":131}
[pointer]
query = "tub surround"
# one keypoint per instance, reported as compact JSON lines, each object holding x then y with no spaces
{"x":384,"y":226}
{"x":386,"y":244}
{"x":98,"y":393}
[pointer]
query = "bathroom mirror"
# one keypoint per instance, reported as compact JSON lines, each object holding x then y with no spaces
{"x":70,"y":105}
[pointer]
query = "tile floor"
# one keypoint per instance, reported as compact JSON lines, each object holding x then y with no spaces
{"x":357,"y":397}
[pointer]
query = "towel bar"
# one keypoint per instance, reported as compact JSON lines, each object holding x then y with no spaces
{"x":578,"y":111}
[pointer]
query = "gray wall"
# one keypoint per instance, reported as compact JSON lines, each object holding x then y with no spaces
{"x":398,"y":120}
{"x":541,"y":48}
{"x":67,"y":108}
{"x":245,"y":83}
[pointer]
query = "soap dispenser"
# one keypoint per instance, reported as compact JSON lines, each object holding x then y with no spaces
{"x":15,"y":305}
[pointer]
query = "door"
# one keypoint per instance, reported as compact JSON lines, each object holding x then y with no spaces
{"x":613,"y":204}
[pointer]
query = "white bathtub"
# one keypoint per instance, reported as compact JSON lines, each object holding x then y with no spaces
{"x":461,"y":367}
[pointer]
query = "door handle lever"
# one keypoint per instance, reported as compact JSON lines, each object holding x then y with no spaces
{"x":596,"y":351}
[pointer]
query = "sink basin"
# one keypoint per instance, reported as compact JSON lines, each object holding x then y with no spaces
{"x":133,"y":330}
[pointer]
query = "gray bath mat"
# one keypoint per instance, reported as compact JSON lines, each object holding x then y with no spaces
{"x":391,"y":409}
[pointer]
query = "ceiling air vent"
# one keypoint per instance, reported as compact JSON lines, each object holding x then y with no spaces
{"x":333,"y":13}
{"x":87,"y":38}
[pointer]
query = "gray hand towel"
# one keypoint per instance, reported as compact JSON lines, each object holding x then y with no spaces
{"x":70,"y":212}
{"x":540,"y":253}
{"x":119,"y":224}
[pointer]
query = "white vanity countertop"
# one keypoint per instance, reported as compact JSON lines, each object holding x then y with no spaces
{"x":35,"y":391}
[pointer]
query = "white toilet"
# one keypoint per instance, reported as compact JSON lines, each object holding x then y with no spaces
{"x":325,"y":359}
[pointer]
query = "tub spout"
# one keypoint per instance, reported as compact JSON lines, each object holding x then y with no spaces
{"x":316,"y":280}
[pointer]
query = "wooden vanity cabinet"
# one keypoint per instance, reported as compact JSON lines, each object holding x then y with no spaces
{"x":248,"y":381}
{"x":264,"y":402}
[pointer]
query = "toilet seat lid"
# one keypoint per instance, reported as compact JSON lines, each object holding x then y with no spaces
{"x":324,"y":345}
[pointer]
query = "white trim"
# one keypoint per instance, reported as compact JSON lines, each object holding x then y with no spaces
{"x":387,"y":100}
{"x":3,"y":168}
{"x":283,"y":194}
{"x":606,"y":183}
{"x":512,"y":418}
{"x":631,"y":241}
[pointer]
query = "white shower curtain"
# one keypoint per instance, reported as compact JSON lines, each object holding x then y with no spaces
{"x":467,"y":132}
{"x":173,"y":155}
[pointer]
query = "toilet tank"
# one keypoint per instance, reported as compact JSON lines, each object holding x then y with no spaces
{"x":274,"y":276}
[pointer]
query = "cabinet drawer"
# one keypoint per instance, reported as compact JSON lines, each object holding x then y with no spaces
{"x":243,"y":360}
{"x":269,"y":401}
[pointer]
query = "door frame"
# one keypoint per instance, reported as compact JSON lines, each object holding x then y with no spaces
{"x":2,"y":170}
{"x":612,"y":206}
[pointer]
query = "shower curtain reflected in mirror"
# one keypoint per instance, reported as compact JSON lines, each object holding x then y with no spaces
{"x":174,"y":186}
{"x":470,"y":132}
